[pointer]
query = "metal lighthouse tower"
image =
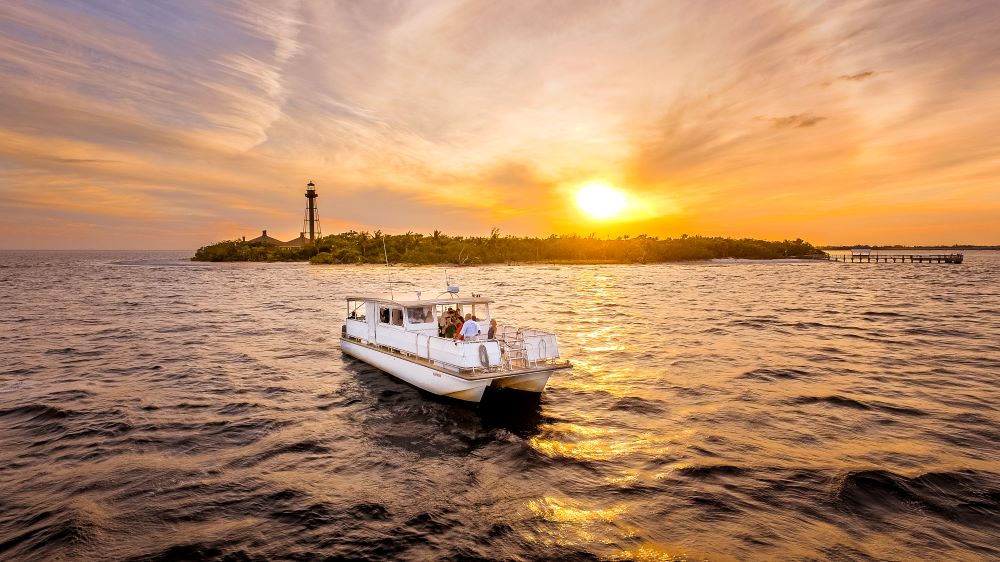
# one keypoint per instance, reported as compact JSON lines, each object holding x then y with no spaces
{"x":310,"y":223}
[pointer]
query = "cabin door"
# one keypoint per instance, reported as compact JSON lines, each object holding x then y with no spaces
{"x":371,"y":315}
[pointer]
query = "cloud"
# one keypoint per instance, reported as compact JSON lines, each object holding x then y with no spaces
{"x":797,"y":121}
{"x":859,"y":76}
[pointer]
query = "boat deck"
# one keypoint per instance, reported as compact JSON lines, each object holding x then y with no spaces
{"x":475,"y":374}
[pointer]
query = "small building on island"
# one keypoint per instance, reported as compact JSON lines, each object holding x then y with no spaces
{"x":310,"y":225}
{"x":265,"y":239}
{"x":271,"y":241}
{"x":296,"y":242}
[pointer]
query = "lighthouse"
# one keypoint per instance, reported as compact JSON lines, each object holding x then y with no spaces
{"x":310,"y":223}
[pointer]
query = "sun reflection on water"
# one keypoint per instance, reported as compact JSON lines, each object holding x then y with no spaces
{"x":579,"y":442}
{"x":627,"y":478}
{"x":569,"y":524}
{"x":651,"y":553}
{"x":554,"y":510}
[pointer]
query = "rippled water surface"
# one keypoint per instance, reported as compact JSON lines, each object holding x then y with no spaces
{"x":151,"y":408}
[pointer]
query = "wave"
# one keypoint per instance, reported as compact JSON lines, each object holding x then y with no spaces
{"x":770,"y":374}
{"x":970,"y":497}
{"x":302,"y":449}
{"x":234,"y":408}
{"x":845,"y":402}
{"x":36,"y":412}
{"x":711,"y":471}
{"x":882,"y":313}
{"x":52,"y":531}
{"x":637,"y":405}
{"x":69,"y":395}
{"x":72,"y":351}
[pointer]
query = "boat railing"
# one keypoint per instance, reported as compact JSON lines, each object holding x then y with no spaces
{"x":461,"y":355}
{"x":516,"y":357}
{"x":511,"y":349}
{"x":535,"y":345}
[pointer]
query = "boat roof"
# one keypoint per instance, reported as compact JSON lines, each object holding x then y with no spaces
{"x":417,"y":299}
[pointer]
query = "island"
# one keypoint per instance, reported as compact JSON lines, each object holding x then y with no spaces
{"x":438,"y":248}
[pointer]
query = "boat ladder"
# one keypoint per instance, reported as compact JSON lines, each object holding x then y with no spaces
{"x":515,"y":352}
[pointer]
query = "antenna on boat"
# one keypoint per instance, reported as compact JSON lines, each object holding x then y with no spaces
{"x":388,"y":270}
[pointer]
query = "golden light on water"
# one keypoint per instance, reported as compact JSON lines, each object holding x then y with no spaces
{"x":572,"y":523}
{"x":558,"y":511}
{"x":580,"y":442}
{"x":600,"y":201}
{"x":649,"y":553}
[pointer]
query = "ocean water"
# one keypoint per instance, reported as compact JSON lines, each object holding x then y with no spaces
{"x":152,"y":408}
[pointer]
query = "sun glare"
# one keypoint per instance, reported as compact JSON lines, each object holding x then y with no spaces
{"x":600,"y":201}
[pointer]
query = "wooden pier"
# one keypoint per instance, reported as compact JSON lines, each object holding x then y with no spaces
{"x":896,"y":258}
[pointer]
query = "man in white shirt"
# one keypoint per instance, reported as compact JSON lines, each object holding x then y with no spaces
{"x":470,"y":328}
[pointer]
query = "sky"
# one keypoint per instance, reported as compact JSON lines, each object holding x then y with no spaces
{"x":171,"y":125}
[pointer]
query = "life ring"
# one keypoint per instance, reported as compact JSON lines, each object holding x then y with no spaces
{"x":484,"y":355}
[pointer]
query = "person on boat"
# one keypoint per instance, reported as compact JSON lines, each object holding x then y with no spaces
{"x":451,"y":328}
{"x":492,"y":333}
{"x":470,"y":328}
{"x":443,"y":320}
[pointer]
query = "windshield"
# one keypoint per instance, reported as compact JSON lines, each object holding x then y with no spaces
{"x":356,"y":310}
{"x":420,"y":314}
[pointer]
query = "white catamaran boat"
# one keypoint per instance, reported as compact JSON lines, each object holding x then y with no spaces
{"x":401,"y":335}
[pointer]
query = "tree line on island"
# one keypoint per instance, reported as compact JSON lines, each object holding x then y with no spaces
{"x":439,"y":248}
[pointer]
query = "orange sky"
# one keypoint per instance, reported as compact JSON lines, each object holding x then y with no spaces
{"x":155,"y":125}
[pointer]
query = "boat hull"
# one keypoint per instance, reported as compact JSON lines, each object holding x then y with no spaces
{"x":529,"y":382}
{"x":420,"y":376}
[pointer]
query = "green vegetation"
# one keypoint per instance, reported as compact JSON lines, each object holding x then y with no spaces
{"x":438,"y":248}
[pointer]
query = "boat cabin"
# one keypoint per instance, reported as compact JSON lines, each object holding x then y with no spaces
{"x":414,"y":327}
{"x":414,"y":315}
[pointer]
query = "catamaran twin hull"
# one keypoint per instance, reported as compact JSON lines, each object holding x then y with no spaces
{"x":401,"y":338}
{"x":425,"y":375}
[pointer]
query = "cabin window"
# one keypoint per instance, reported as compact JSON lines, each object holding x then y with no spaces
{"x":420,"y":314}
{"x":383,"y":314}
{"x":397,"y":317}
{"x":356,"y":310}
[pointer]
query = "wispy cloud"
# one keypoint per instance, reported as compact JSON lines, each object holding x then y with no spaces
{"x":797,"y":121}
{"x":858,"y":76}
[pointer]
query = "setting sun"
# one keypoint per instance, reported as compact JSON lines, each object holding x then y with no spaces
{"x":600,"y":201}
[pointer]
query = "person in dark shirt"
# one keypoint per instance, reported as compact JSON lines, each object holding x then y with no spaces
{"x":492,"y":333}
